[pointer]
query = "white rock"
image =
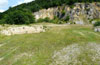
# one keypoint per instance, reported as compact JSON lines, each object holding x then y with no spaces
{"x":22,"y":30}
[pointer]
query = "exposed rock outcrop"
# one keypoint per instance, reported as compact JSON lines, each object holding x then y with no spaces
{"x":44,"y":13}
{"x":22,"y":30}
{"x":80,"y":13}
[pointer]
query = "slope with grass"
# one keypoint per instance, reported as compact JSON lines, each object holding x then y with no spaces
{"x":53,"y":47}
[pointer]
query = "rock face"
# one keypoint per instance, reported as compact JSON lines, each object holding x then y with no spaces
{"x":80,"y":13}
{"x":97,"y":29}
{"x":44,"y":13}
{"x":22,"y":30}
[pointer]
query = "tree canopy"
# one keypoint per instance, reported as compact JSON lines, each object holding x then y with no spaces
{"x":18,"y":17}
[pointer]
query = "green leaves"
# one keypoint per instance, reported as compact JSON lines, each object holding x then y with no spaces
{"x":19,"y":17}
{"x":97,"y":23}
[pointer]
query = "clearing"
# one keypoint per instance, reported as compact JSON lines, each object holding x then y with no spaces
{"x":59,"y":45}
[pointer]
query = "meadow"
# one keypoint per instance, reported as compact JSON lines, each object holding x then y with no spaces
{"x":78,"y":42}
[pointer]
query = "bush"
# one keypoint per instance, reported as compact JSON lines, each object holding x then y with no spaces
{"x":97,"y":24}
{"x":63,"y":13}
{"x":67,"y":18}
{"x":40,"y":20}
{"x":47,"y":19}
{"x":19,"y":17}
{"x":55,"y":20}
{"x":44,"y":20}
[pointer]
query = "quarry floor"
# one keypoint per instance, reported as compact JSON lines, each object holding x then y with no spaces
{"x":59,"y":45}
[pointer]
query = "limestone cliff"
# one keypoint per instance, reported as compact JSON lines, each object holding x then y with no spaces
{"x":80,"y":13}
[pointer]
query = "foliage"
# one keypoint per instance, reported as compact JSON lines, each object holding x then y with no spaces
{"x":19,"y":17}
{"x":40,"y":20}
{"x":67,"y":18}
{"x":55,"y":20}
{"x":39,"y":4}
{"x":47,"y":19}
{"x":97,"y":23}
{"x":63,"y":12}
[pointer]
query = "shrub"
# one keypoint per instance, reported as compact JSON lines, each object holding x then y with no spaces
{"x":63,"y":13}
{"x":97,"y":24}
{"x":67,"y":18}
{"x":19,"y":17}
{"x":55,"y":20}
{"x":40,"y":20}
{"x":47,"y":19}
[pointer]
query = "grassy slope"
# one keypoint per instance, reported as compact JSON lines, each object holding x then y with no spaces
{"x":37,"y":49}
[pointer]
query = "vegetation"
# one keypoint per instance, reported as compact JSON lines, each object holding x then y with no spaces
{"x":39,"y":4}
{"x":47,"y":19}
{"x":38,"y":49}
{"x":67,"y":18}
{"x":18,"y":17}
{"x":97,"y":23}
{"x":56,"y":20}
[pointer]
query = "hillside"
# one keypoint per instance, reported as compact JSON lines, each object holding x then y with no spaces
{"x":65,"y":10}
{"x":81,"y":13}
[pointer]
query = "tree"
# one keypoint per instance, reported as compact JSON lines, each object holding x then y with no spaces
{"x":19,"y":17}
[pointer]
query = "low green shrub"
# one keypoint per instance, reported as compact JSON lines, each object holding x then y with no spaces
{"x":40,"y":20}
{"x":63,"y":12}
{"x":67,"y":18}
{"x":47,"y":19}
{"x":97,"y":24}
{"x":55,"y":20}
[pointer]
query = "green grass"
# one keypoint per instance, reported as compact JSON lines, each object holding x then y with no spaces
{"x":40,"y":47}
